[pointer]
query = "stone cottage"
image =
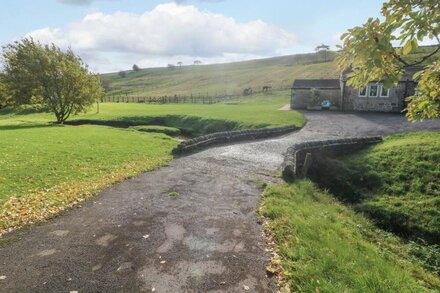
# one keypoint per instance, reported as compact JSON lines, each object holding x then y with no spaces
{"x":309,"y":93}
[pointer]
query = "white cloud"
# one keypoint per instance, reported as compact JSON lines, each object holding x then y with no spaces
{"x":78,"y":2}
{"x":170,"y":30}
{"x":88,"y":2}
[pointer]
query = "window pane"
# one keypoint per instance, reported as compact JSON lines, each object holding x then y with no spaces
{"x":373,"y":90}
{"x":363,"y":92}
{"x":384,"y":92}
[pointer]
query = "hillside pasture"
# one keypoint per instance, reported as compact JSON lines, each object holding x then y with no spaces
{"x":220,"y":79}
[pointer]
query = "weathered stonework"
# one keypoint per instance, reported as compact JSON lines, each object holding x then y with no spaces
{"x":347,"y":98}
{"x":395,"y":102}
{"x":301,"y":97}
{"x":295,"y":155}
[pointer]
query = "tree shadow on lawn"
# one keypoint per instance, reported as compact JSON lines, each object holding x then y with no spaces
{"x":26,"y":126}
{"x":23,"y":110}
{"x":189,"y":125}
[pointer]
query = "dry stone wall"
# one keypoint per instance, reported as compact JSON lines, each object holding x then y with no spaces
{"x":296,"y":155}
{"x":218,"y":138}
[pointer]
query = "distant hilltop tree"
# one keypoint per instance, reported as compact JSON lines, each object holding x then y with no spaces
{"x":323,"y":49}
{"x":180,"y":63}
{"x":136,"y":68}
{"x":122,"y":74}
{"x":197,"y":62}
{"x":171,"y":66}
{"x":44,"y":74}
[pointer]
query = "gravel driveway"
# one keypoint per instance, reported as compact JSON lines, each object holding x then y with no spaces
{"x":189,"y":227}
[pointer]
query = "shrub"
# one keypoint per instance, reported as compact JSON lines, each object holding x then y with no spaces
{"x":315,"y":97}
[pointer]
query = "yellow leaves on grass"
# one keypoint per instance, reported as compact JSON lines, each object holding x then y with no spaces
{"x":45,"y":204}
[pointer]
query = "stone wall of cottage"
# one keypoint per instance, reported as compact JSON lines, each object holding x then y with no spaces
{"x":301,"y":97}
{"x":394,"y":103}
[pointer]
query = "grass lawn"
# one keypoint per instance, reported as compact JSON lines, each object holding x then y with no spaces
{"x":324,"y":246}
{"x":46,"y":168}
{"x":198,"y":119}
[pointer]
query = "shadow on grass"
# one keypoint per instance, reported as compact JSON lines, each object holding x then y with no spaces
{"x":25,"y":126}
{"x":189,"y":125}
{"x":22,"y":110}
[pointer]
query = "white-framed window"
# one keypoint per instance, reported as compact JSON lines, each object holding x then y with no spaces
{"x":363,"y":92}
{"x":373,"y":90}
{"x":384,"y":93}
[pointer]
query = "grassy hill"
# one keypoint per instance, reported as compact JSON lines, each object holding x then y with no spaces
{"x":230,"y":78}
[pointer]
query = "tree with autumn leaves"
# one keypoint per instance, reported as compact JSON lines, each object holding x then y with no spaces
{"x":380,"y":50}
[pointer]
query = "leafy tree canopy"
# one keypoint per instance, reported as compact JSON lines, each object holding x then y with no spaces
{"x":34,"y":73}
{"x":136,"y":67}
{"x":370,"y":51}
{"x":5,"y":100}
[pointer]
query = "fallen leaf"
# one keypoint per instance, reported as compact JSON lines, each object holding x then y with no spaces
{"x":162,"y":262}
{"x":246,"y":287}
{"x":153,"y":289}
{"x":146,"y":236}
{"x":2,"y":277}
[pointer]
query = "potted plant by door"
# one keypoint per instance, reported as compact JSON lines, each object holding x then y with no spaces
{"x":314,"y":102}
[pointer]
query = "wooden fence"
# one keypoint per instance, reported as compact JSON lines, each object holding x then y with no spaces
{"x":185,"y":99}
{"x":169,"y":99}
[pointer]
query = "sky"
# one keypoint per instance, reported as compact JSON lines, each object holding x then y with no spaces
{"x":112,"y":35}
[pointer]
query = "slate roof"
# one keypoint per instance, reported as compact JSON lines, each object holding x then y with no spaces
{"x":407,"y":75}
{"x":316,"y":83}
{"x":409,"y":72}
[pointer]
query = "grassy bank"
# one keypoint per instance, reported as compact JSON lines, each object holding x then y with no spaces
{"x":46,"y":168}
{"x":326,"y":247}
{"x":396,"y":183}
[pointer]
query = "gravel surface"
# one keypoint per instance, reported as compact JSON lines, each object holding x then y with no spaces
{"x":189,"y":227}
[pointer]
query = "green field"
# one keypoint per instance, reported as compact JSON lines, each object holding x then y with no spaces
{"x":50,"y":167}
{"x":324,"y":246}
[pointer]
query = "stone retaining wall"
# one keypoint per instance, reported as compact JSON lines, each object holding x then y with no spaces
{"x":295,"y":156}
{"x":230,"y":136}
